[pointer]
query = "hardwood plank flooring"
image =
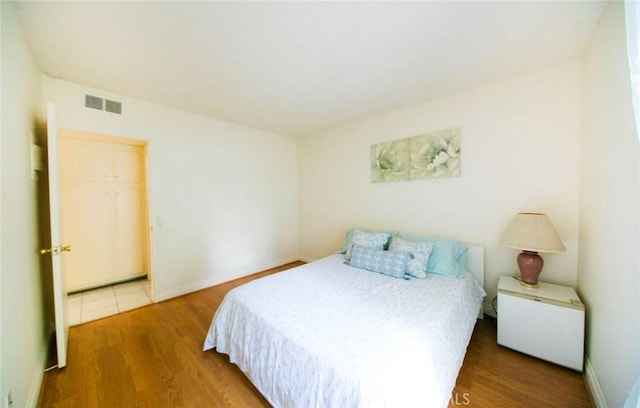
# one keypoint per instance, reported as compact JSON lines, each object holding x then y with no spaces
{"x":495,"y":376}
{"x":152,"y":357}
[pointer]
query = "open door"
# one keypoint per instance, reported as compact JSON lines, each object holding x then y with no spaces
{"x":59,"y":295}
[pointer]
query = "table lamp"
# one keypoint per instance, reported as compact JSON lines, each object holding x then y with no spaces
{"x":532,"y":233}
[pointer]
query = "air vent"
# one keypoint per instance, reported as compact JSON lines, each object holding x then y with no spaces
{"x":113,"y":106}
{"x":96,"y":102}
{"x":93,"y":102}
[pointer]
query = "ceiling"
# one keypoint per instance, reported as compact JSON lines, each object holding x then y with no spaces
{"x":297,"y":68}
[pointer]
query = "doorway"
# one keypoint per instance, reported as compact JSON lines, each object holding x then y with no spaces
{"x":89,"y":305}
{"x":104,"y":217}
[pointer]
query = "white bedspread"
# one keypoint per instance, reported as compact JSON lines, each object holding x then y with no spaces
{"x":330,"y":335}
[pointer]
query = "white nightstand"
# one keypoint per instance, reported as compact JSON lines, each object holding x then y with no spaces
{"x":546,"y":322}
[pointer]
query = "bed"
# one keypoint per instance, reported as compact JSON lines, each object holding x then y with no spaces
{"x":328,"y":334}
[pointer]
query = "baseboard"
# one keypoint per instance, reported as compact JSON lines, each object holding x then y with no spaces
{"x":193,"y":287}
{"x":306,"y":258}
{"x":593,"y":386}
{"x":38,"y":375}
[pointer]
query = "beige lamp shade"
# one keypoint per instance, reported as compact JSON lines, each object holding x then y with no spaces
{"x":532,"y":232}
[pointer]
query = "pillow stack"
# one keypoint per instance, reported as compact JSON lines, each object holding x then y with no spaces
{"x":403,"y":256}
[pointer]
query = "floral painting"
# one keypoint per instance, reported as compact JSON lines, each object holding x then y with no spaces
{"x":430,"y":155}
{"x":390,"y":161}
{"x":435,"y":154}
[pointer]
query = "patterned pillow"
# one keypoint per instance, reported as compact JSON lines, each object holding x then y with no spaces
{"x":390,"y":263}
{"x":376,"y":240}
{"x":448,"y":258}
{"x":417,"y":265}
{"x":348,"y":239}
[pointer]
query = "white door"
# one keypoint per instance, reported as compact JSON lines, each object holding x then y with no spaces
{"x":59,"y":295}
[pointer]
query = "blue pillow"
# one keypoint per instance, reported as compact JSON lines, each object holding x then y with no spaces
{"x":390,"y":263}
{"x":364,"y":235}
{"x":448,"y":257}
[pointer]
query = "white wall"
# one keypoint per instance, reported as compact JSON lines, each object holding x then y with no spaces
{"x":223,"y":197}
{"x":609,"y":281}
{"x":24,"y":328}
{"x":520,"y":151}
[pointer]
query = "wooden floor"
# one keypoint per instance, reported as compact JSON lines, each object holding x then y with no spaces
{"x":495,"y":376}
{"x":152,"y":357}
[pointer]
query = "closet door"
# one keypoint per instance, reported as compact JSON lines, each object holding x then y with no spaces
{"x":91,"y":234}
{"x":85,"y":212}
{"x":103,"y":210}
{"x":130,"y":214}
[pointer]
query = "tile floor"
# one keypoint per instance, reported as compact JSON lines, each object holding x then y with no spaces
{"x":98,"y":303}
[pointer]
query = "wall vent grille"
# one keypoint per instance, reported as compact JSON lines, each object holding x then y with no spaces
{"x":93,"y":102}
{"x":113,"y":106}
{"x":96,"y":102}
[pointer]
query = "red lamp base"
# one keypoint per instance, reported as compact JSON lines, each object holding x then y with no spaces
{"x":530,"y":264}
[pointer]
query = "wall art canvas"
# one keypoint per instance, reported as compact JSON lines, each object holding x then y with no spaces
{"x":390,"y":161}
{"x":430,"y":155}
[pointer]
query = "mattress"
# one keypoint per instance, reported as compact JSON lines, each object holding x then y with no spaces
{"x":327,"y":334}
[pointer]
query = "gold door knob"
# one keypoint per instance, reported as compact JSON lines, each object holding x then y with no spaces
{"x":56,"y":250}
